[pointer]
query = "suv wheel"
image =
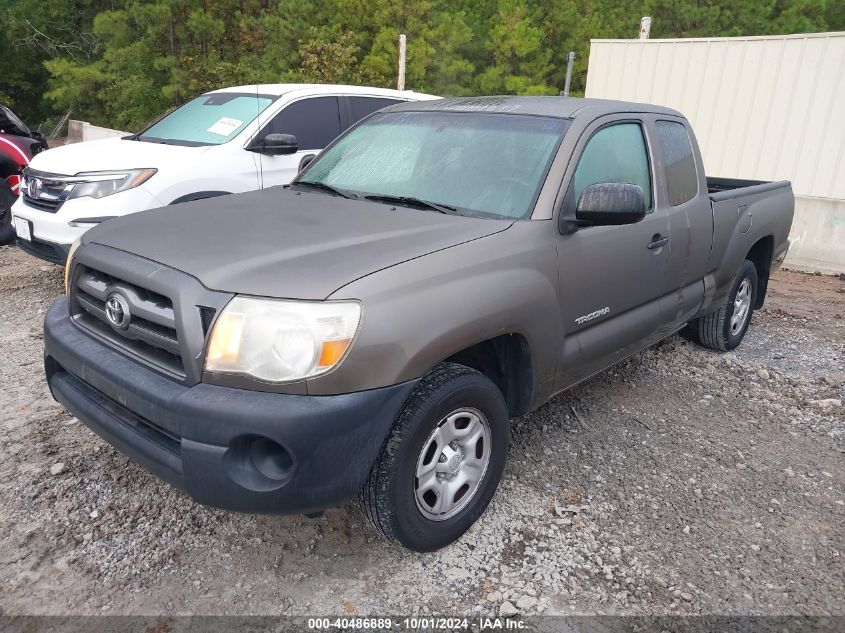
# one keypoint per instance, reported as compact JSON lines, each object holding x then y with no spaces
{"x":7,"y":199}
{"x":441,"y":462}
{"x":725,"y":328}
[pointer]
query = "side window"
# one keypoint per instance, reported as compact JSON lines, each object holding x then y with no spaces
{"x":315,"y":122}
{"x":681,"y":177}
{"x":616,"y":153}
{"x":362,"y":106}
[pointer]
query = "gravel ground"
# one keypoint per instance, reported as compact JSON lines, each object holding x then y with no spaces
{"x":683,"y":481}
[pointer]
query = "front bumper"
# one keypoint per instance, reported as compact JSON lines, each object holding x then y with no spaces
{"x":48,"y":251}
{"x":229,"y":448}
{"x":57,"y":229}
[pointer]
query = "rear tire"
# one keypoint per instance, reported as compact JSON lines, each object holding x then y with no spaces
{"x":7,"y":199}
{"x":441,"y":462}
{"x":724,"y":329}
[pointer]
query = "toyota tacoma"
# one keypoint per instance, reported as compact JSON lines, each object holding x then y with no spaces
{"x":370,"y":329}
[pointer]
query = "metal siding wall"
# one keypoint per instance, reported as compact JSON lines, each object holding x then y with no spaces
{"x":766,"y":108}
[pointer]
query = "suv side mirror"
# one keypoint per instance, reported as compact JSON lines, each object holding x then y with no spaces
{"x":611,"y":203}
{"x":275,"y":144}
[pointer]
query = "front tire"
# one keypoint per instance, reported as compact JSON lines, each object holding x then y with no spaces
{"x":724,"y":329}
{"x":442,"y":461}
{"x":7,"y":199}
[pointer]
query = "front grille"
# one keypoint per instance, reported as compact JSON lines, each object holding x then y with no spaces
{"x":150,"y":332}
{"x":44,"y":191}
{"x":51,"y":206}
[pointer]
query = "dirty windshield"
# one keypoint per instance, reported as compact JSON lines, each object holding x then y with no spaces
{"x":470,"y":163}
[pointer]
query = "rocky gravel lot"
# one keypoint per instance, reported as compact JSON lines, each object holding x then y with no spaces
{"x":683,"y":481}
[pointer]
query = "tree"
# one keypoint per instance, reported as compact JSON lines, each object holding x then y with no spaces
{"x":521,"y":56}
{"x":121,"y":63}
{"x":328,"y":58}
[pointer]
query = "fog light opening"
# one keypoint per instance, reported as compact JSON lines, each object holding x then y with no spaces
{"x":258,"y":463}
{"x":270,"y":459}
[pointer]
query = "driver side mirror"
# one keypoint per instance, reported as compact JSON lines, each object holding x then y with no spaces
{"x":611,"y":203}
{"x":275,"y":144}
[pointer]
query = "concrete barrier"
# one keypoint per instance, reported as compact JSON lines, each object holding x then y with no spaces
{"x":78,"y":131}
{"x":818,"y":236}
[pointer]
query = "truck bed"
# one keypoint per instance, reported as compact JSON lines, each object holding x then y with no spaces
{"x":746,"y":212}
{"x":729,"y":188}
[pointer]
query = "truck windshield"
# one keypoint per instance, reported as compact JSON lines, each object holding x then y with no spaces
{"x":210,"y":119}
{"x":478,"y":164}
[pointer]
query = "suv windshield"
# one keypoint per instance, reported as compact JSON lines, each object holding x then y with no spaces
{"x":210,"y":119}
{"x":482,"y":164}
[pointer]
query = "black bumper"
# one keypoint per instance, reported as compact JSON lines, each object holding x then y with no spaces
{"x":230,"y":448}
{"x":48,"y":251}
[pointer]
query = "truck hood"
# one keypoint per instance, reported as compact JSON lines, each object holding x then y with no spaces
{"x":111,"y":154}
{"x":284,"y":243}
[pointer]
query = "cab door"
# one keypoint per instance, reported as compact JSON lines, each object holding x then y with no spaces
{"x":690,"y":219}
{"x":610,"y":277}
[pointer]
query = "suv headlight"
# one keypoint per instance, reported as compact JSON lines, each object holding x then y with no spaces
{"x":279,"y":340}
{"x":99,"y":184}
{"x":70,"y":255}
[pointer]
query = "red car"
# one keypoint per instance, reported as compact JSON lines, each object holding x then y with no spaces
{"x":18,"y":144}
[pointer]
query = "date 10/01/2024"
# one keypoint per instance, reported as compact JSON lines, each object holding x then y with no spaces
{"x":417,"y":624}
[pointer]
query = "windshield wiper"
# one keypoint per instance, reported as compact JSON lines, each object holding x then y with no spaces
{"x":324,"y":187}
{"x":415,"y":202}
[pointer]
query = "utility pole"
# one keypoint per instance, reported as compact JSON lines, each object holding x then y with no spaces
{"x":403,"y":45}
{"x":645,"y":27}
{"x":570,"y":61}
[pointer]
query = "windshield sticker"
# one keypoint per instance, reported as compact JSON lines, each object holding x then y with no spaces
{"x":225,"y":126}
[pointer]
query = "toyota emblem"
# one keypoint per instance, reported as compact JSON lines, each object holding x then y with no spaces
{"x":117,"y":311}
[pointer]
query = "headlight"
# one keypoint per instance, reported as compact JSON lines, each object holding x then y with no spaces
{"x":281,"y":341}
{"x":98,"y":184}
{"x":70,"y":253}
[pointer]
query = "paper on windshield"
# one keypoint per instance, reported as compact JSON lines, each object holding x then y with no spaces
{"x":225,"y":126}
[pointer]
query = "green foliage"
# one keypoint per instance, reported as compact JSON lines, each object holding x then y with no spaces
{"x":328,"y":57}
{"x":122,"y":63}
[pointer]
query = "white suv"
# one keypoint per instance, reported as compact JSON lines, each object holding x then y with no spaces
{"x":225,"y":141}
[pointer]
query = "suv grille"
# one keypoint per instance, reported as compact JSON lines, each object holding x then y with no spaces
{"x":51,"y":206}
{"x":44,"y":191}
{"x":131,"y":318}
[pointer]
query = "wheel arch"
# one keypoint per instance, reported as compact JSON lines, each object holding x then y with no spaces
{"x":760,"y":255}
{"x":506,"y":361}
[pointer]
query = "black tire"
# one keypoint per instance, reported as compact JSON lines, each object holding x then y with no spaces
{"x":714,"y":330}
{"x":388,"y":498}
{"x":7,"y":199}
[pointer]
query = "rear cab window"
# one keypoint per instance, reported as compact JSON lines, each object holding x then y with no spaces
{"x":681,"y":174}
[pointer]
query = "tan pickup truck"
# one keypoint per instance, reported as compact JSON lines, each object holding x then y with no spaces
{"x":370,"y":329}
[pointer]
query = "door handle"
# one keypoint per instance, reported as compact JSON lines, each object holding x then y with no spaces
{"x":657,"y":241}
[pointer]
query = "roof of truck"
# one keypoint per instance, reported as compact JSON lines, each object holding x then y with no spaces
{"x":562,"y":107}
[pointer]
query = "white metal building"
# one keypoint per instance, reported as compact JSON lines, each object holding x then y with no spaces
{"x":763,"y":108}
